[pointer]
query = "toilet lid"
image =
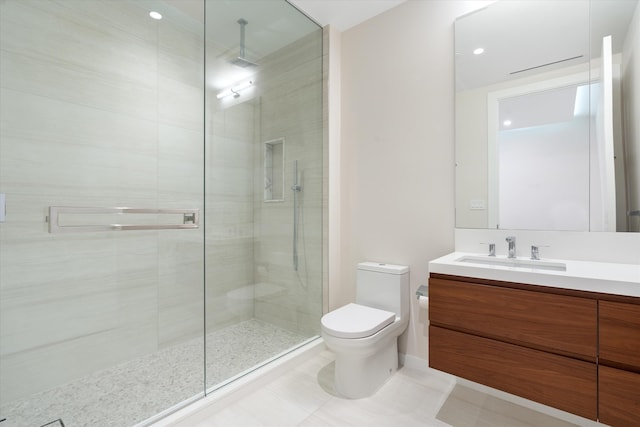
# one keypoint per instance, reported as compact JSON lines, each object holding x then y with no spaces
{"x":356,"y":321}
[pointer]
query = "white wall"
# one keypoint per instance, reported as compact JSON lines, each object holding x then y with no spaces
{"x":397,"y":156}
{"x":397,"y":163}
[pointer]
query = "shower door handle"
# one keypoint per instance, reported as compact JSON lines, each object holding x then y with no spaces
{"x":190,"y":219}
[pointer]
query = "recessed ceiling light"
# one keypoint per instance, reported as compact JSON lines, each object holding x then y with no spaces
{"x":507,"y":123}
{"x":155,"y":15}
{"x":478,"y":51}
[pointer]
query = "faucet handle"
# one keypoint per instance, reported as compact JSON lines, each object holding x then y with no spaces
{"x":492,"y":248}
{"x":535,"y":251}
{"x":511,"y":240}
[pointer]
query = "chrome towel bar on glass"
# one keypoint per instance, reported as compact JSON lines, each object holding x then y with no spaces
{"x":190,"y":219}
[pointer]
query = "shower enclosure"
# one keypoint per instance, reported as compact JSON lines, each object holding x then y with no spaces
{"x":148,"y":173}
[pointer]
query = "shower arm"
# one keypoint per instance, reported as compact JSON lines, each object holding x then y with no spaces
{"x":243,"y":22}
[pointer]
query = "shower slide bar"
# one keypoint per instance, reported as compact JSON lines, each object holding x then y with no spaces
{"x":190,"y":219}
{"x":296,"y":189}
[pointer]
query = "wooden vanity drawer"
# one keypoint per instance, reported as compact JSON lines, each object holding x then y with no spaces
{"x":619,"y":394}
{"x":620,"y":334}
{"x":560,"y":324}
{"x":562,"y":382}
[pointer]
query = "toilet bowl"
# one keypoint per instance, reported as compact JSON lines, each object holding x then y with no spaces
{"x":364,"y":335}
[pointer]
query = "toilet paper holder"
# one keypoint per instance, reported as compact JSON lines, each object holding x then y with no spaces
{"x":423,"y":291}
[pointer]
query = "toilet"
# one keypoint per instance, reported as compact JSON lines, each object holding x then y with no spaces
{"x":364,"y":335}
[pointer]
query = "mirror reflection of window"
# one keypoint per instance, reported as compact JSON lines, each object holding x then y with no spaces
{"x":543,"y":158}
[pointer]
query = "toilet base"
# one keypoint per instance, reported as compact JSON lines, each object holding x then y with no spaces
{"x":358,"y":377}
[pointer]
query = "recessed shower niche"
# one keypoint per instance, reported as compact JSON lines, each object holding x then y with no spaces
{"x":274,"y":170}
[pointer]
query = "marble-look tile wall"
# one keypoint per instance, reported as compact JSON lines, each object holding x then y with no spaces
{"x":291,"y":108}
{"x":249,"y":241}
{"x":100,"y":106}
{"x":229,"y":211}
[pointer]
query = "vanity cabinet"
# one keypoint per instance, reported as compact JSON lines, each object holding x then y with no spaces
{"x":560,"y":324}
{"x":620,"y":334}
{"x":533,"y":344}
{"x":569,"y":340}
{"x":619,"y":397}
{"x":619,"y":363}
{"x":559,"y":381}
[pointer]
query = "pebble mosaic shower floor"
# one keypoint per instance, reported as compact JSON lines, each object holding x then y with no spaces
{"x":133,"y":391}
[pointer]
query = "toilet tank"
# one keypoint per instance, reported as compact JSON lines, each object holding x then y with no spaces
{"x":383,"y":286}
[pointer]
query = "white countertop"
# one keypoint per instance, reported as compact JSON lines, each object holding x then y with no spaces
{"x":604,"y":277}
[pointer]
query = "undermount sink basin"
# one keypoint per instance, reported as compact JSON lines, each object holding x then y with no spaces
{"x":514,"y":262}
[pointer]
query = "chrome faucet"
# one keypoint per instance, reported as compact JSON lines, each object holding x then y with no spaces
{"x":512,"y":246}
{"x":535,"y":252}
{"x":492,"y":248}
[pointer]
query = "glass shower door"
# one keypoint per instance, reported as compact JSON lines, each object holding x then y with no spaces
{"x":121,"y":137}
{"x":100,"y":107}
{"x":264,"y":236}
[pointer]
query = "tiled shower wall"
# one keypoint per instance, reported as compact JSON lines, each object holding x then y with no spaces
{"x":229,"y":211}
{"x":100,"y":106}
{"x":291,"y":108}
{"x":249,"y":240}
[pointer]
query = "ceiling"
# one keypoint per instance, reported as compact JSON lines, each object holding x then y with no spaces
{"x":341,"y":14}
{"x":544,"y":35}
{"x":527,"y":37}
{"x":271,"y":26}
{"x":344,"y":14}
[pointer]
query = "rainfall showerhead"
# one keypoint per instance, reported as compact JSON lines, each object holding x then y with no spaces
{"x":241,"y":61}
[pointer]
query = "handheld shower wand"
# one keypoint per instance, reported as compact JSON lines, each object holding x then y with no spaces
{"x":296,"y":189}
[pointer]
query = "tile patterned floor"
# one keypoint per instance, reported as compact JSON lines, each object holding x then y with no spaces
{"x":304,"y":397}
{"x":138,"y":389}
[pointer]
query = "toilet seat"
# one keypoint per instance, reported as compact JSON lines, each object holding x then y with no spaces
{"x":356,"y":321}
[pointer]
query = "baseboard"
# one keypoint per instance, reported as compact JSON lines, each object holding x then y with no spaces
{"x":413,"y":362}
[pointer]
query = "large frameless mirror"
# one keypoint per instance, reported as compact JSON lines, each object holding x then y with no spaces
{"x":547,"y":115}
